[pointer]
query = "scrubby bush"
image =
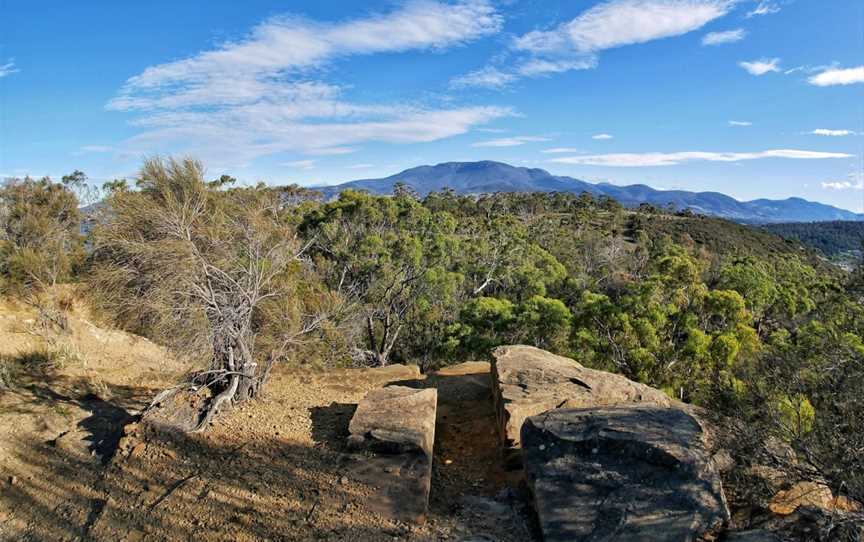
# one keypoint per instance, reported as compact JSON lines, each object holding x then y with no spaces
{"x":40,"y":238}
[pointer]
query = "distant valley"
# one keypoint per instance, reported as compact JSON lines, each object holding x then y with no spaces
{"x":488,"y":176}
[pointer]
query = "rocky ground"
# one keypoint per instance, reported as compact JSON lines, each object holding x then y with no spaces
{"x":75,"y":466}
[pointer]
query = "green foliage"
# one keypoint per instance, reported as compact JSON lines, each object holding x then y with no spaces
{"x":544,"y":322}
{"x":40,"y":240}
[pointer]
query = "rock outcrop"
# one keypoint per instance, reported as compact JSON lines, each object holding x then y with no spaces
{"x":635,"y":472}
{"x":395,"y":428}
{"x":528,"y":381}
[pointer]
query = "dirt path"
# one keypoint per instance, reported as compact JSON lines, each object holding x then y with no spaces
{"x":468,"y":476}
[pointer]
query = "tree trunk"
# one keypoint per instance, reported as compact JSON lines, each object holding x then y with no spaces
{"x":247,"y":369}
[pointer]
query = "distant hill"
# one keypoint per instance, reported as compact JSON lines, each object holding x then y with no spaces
{"x":834,"y":239}
{"x":488,"y":176}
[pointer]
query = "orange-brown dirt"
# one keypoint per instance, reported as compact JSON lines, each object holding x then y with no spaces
{"x":76,"y":466}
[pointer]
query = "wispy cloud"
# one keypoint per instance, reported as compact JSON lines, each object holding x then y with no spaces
{"x":602,"y":137}
{"x":855,"y":181}
{"x":574,"y":45}
{"x":300,"y":164}
{"x":727,"y":36}
{"x":510,"y":141}
{"x":651,"y":159}
{"x":8,"y":68}
{"x":273,"y":103}
{"x":740,"y":123}
{"x":765,"y":7}
{"x":838,"y":76}
{"x":832,"y":133}
{"x":761,"y":67}
{"x":561,"y":150}
{"x":360,"y":166}
{"x":488,"y":77}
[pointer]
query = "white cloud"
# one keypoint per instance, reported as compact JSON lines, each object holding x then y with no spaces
{"x":488,"y":77}
{"x":560,"y":150}
{"x":832,"y":133}
{"x":602,"y":136}
{"x":510,"y":141}
{"x":234,"y":136}
{"x":288,"y":43}
{"x":624,"y":22}
{"x":574,"y":45}
{"x":740,"y":123}
{"x":649,"y":159}
{"x":761,"y":67}
{"x":536,"y":67}
{"x":841,"y":185}
{"x":854,"y":182}
{"x":727,"y":36}
{"x":360,"y":166}
{"x":8,"y":68}
{"x":300,"y":164}
{"x":765,"y":7}
{"x":838,"y":76}
{"x":257,"y":96}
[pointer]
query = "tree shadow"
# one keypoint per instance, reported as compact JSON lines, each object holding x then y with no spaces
{"x":104,"y":426}
{"x":185,"y":487}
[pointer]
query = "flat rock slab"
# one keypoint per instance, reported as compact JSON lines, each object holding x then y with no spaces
{"x":527,"y":381}
{"x":395,"y":428}
{"x":624,"y":473}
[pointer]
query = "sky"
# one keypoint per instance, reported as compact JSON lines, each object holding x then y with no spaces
{"x":751,"y":98}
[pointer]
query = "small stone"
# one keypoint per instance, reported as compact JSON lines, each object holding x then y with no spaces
{"x":138,"y":449}
{"x":13,"y":480}
{"x":343,"y":480}
{"x":130,"y":429}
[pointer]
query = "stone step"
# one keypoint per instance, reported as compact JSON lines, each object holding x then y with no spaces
{"x":394,"y":428}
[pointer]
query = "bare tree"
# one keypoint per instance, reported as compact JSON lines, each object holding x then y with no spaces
{"x":205,"y":271}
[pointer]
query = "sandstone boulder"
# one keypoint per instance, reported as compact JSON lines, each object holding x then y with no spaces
{"x":528,"y":381}
{"x":395,"y":428}
{"x":397,"y":419}
{"x":634,"y":472}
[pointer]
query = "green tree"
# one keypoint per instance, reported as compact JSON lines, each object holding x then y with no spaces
{"x":388,"y":257}
{"x":40,"y":239}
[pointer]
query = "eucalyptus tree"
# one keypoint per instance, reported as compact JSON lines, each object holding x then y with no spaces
{"x":387,"y":257}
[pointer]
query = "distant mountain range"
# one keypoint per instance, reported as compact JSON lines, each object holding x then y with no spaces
{"x":487,"y":177}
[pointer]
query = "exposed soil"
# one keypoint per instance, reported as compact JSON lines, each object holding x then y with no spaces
{"x":74,"y":467}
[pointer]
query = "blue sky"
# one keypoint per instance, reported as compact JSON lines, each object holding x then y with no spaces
{"x":753,"y":98}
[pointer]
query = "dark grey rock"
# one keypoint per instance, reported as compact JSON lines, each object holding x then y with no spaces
{"x":635,"y":472}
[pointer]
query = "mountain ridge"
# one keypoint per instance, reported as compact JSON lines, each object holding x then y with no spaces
{"x":488,"y":176}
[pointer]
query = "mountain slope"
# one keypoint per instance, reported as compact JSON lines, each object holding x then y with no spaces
{"x":488,"y":176}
